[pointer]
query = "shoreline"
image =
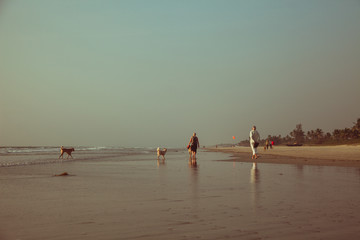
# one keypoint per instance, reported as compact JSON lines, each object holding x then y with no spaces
{"x":340,"y":155}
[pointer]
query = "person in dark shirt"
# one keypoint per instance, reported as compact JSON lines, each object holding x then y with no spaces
{"x":194,"y":144}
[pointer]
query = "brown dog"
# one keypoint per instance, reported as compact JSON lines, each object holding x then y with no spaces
{"x":66,"y":150}
{"x":161,"y":153}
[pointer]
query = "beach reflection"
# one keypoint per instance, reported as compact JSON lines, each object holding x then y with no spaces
{"x":255,"y":182}
{"x":193,"y":166}
{"x":161,"y":163}
{"x":254,"y":174}
{"x":300,"y":171}
{"x":194,"y":178}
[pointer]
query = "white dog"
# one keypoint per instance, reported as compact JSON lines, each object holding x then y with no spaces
{"x":161,"y":152}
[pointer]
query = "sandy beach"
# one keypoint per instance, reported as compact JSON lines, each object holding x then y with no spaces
{"x":342,"y":155}
{"x":137,"y":197}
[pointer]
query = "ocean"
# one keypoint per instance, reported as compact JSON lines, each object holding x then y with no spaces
{"x":31,"y":155}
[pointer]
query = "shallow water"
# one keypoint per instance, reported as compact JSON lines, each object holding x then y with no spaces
{"x":134,"y":196}
{"x":23,"y":156}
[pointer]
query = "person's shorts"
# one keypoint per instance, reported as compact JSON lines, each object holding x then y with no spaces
{"x":193,"y":148}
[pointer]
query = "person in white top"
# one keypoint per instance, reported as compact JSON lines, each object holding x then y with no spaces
{"x":254,"y":138}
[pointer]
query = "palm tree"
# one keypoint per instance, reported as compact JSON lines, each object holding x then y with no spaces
{"x":319,"y":134}
{"x":298,"y":133}
{"x":328,"y":136}
{"x":356,"y":129}
{"x":348,"y":133}
{"x":337,"y":134}
{"x":310,"y":135}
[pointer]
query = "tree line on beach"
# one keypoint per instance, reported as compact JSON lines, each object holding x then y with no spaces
{"x":316,"y":136}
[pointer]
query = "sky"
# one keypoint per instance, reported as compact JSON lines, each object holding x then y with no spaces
{"x":150,"y":73}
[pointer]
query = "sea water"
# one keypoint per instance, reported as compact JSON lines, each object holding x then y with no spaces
{"x":31,"y":155}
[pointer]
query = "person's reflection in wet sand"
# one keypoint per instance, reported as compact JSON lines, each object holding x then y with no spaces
{"x":254,"y":181}
{"x":194,"y":171}
{"x":194,"y":174}
{"x":194,"y":178}
{"x":255,"y":178}
{"x":193,"y":163}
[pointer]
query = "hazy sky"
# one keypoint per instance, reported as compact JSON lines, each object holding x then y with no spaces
{"x":150,"y":73}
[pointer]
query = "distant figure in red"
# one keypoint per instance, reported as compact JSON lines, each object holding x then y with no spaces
{"x":271,"y":145}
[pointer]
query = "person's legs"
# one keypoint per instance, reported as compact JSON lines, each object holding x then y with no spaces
{"x":253,"y":150}
{"x":193,"y":151}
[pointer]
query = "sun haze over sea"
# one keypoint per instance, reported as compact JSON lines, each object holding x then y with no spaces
{"x":150,"y":73}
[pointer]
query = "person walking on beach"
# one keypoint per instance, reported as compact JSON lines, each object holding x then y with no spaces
{"x":194,"y":144}
{"x":254,"y":142}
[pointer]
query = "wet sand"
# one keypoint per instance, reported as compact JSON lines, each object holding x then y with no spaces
{"x":342,"y":155}
{"x":141,"y":198}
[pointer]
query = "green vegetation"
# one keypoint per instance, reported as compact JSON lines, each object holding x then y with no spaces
{"x":316,"y":136}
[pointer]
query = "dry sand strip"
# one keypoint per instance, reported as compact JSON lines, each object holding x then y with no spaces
{"x":341,"y":155}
